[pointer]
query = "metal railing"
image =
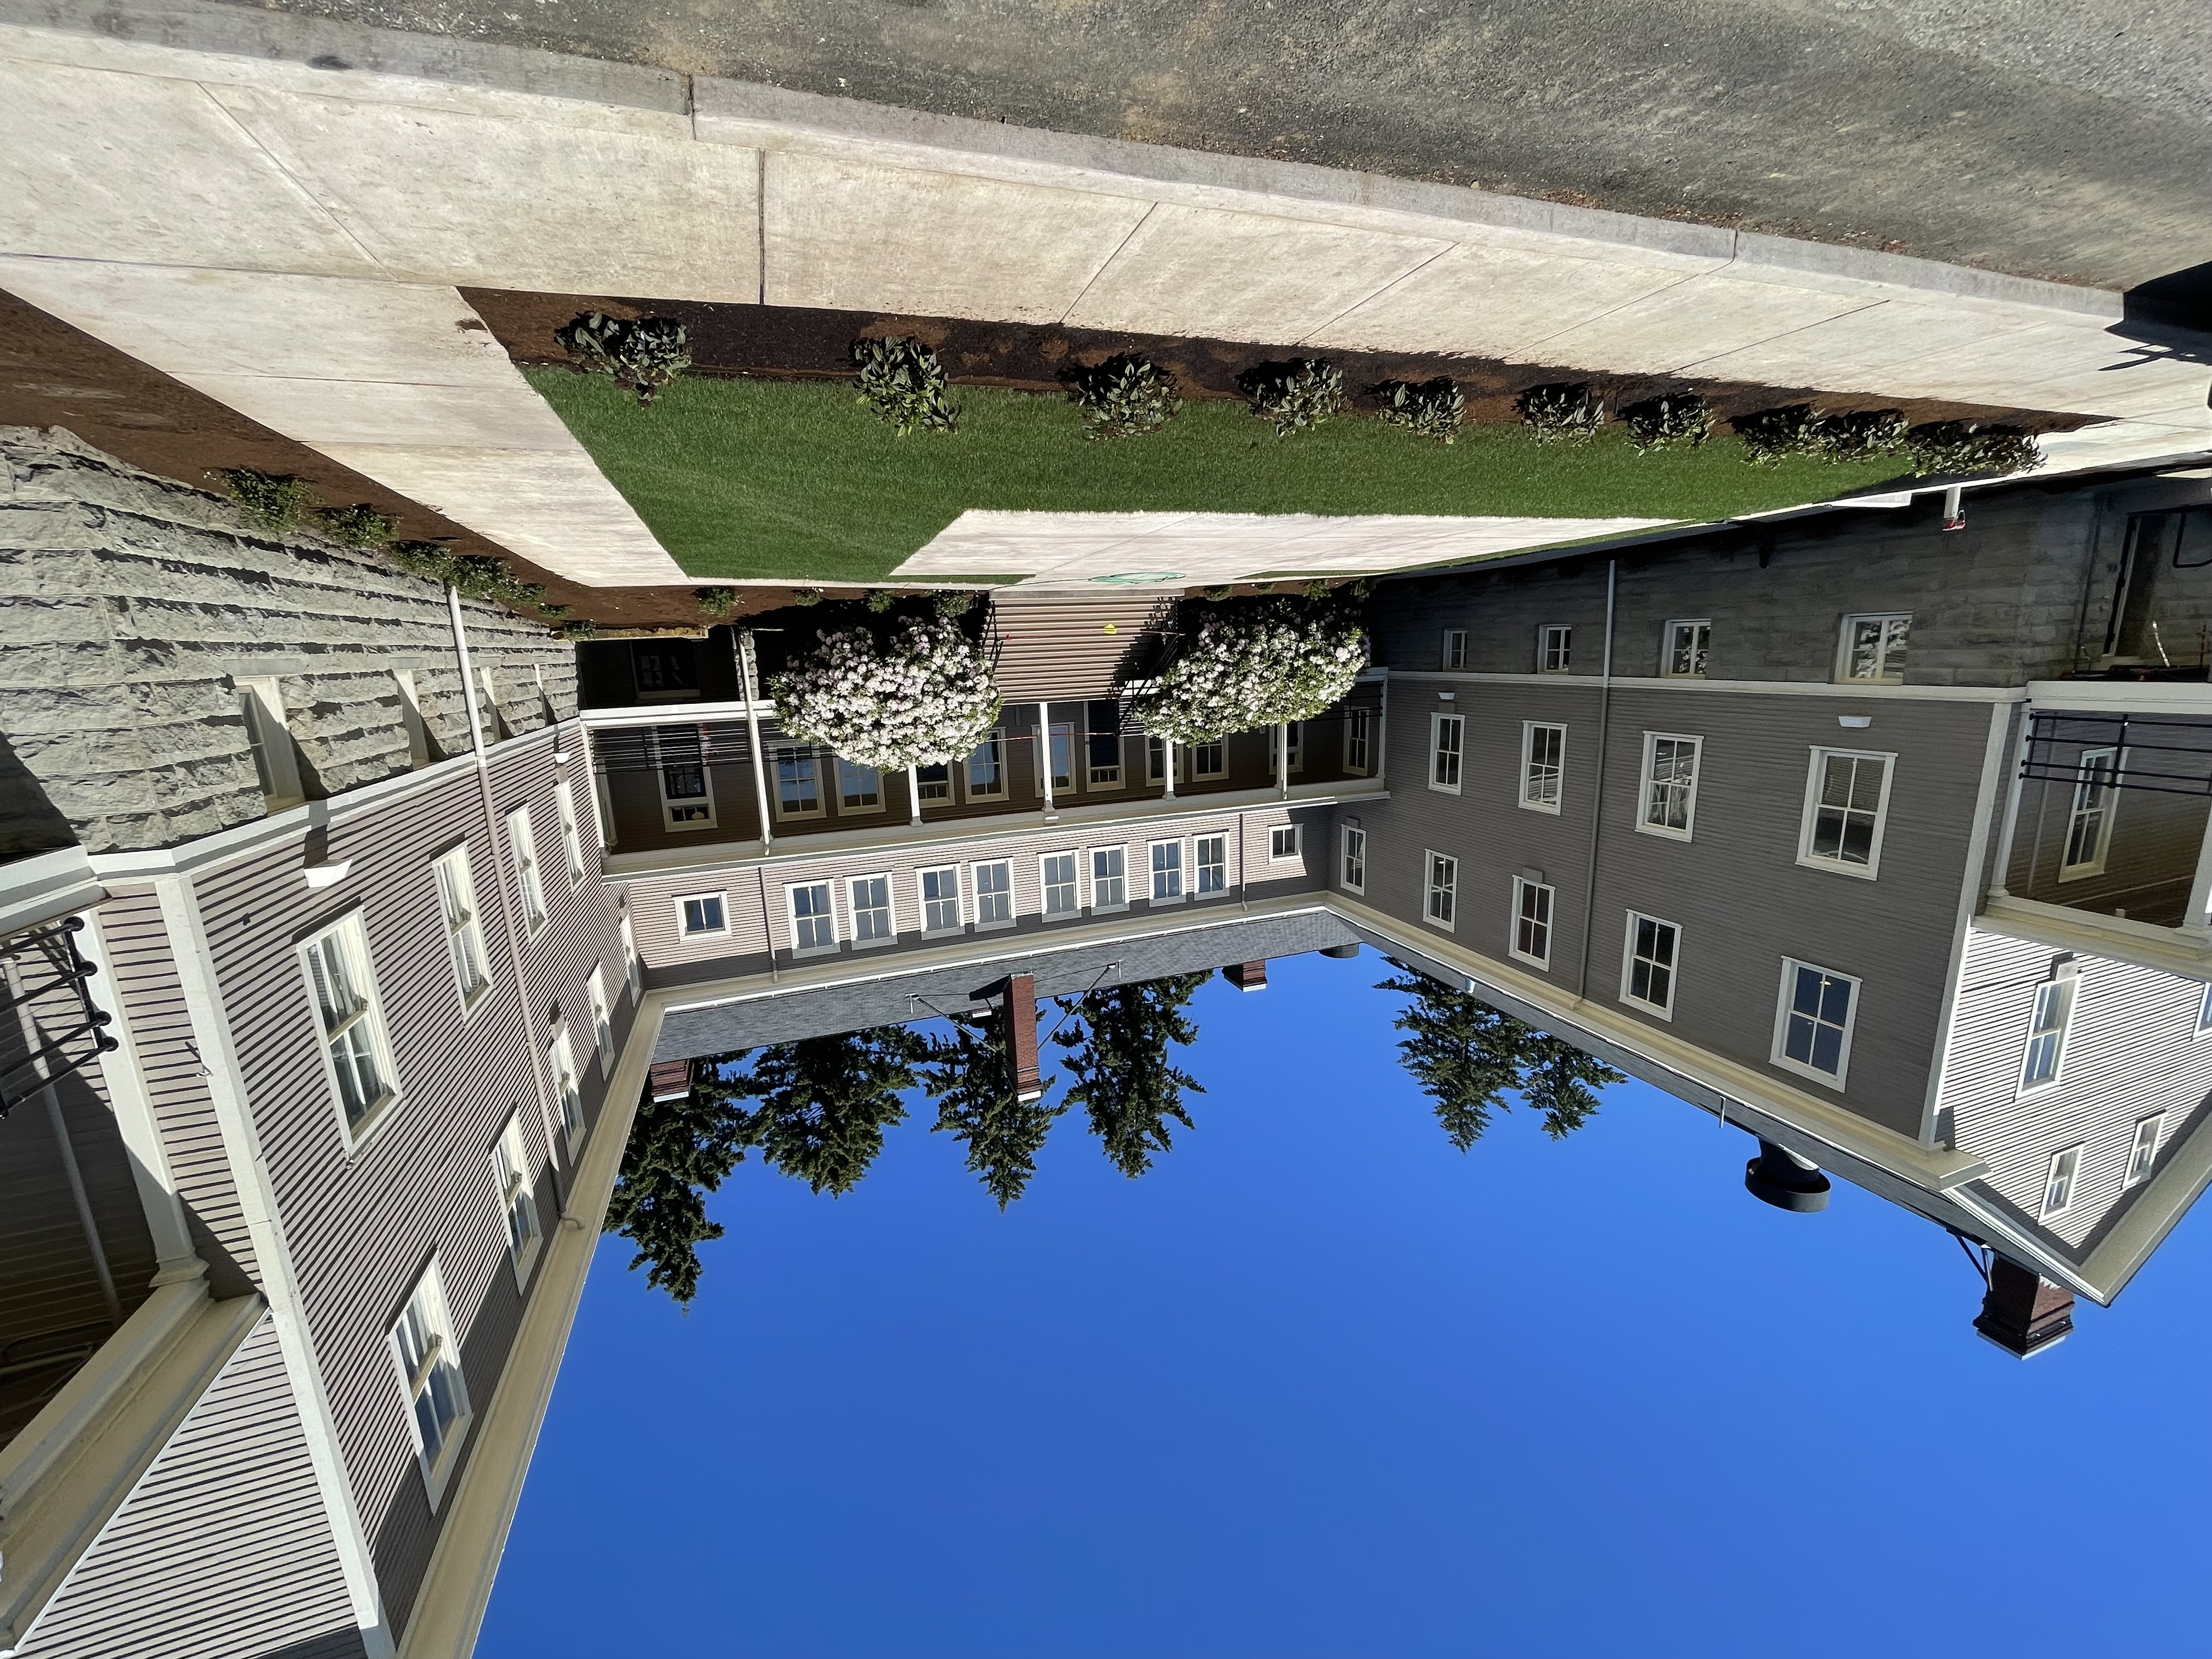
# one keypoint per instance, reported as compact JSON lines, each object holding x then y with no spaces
{"x":2153,"y":752}
{"x":51,"y":1028}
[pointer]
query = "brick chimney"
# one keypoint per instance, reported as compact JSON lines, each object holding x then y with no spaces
{"x":1247,"y":975}
{"x":1018,"y":1007}
{"x":670,"y":1078}
{"x":2024,"y":1313}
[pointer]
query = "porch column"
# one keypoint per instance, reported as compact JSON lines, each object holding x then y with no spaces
{"x":1168,"y":745}
{"x":914,"y":793}
{"x":753,"y":736}
{"x":1283,"y":758}
{"x":1044,"y":756}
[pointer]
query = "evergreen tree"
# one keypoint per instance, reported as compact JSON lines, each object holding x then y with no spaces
{"x":679,"y":1151}
{"x":1118,"y":1055}
{"x":967,"y":1076}
{"x":1468,"y":1056}
{"x":827,"y":1101}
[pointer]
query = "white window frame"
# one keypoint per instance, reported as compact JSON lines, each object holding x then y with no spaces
{"x":1628,"y":961}
{"x":442,"y":1356}
{"x":1700,"y":646}
{"x":995,"y":741}
{"x":1648,"y":781}
{"x":852,"y":909}
{"x":828,"y":915}
{"x":522,"y":845}
{"x":1522,"y":888}
{"x":2065,"y":991}
{"x":2077,"y":810}
{"x":1154,"y":872}
{"x":1536,"y":803}
{"x":1439,"y":874}
{"x":795,"y":754}
{"x":517,"y":1200}
{"x":350,"y":934}
{"x":269,"y":734}
{"x":1808,"y":821}
{"x":2070,"y":1156}
{"x":840,"y":765}
{"x":1277,"y":853}
{"x":633,"y":964}
{"x":1200,"y":864}
{"x":1219,"y":749}
{"x":1091,"y":858}
{"x":1454,"y":651}
{"x":567,"y":1090}
{"x":1555,"y":648}
{"x":572,"y":838}
{"x":455,"y":882}
{"x":1074,"y":885}
{"x":922,"y":900}
{"x":602,"y":1022}
{"x":684,"y":933}
{"x":1351,"y":858}
{"x":1439,"y":724}
{"x":681,"y":814}
{"x":2143,"y":1159}
{"x":1883,"y":674}
{"x":1791,"y":966}
{"x":1062,"y":784}
{"x":1359,"y":740}
{"x":975,"y":878}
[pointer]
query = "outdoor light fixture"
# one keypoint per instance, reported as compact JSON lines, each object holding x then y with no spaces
{"x":1858,"y":721}
{"x":327,"y":875}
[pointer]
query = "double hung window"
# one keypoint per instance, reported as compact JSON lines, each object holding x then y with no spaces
{"x":872,"y":910}
{"x":430,"y":1361}
{"x":813,"y":924}
{"x":1056,"y":878}
{"x":456,"y":904}
{"x":1455,"y":648}
{"x":1109,"y":878}
{"x":1543,"y":765}
{"x":994,"y":893}
{"x":687,"y":790}
{"x":561,"y":1064}
{"x":932,"y":782}
{"x":2143,"y":1151}
{"x":603,"y":1024}
{"x":940,"y":899}
{"x":1352,"y":874}
{"x":1209,"y":760}
{"x":986,"y":768}
{"x":633,"y":969}
{"x":798,"y":783}
{"x":1846,"y":803}
{"x":523,"y":840}
{"x":1670,"y":784}
{"x":704,"y":915}
{"x":518,"y":1204}
{"x":1062,"y":753}
{"x":1283,"y":843}
{"x":1649,"y":960}
{"x":1357,"y":741}
{"x":1441,"y":900}
{"x":1555,"y":643}
{"x":2044,"y":1056}
{"x":1532,"y":921}
{"x":859,"y":788}
{"x":1103,"y":746}
{"x":2059,"y":1178}
{"x":1813,"y":1021}
{"x":2089,"y":818}
{"x":352,"y":1020}
{"x":1167,"y":872}
{"x":1295,"y":730}
{"x":1212,"y":865}
{"x":1447,"y":747}
{"x":572,"y":839}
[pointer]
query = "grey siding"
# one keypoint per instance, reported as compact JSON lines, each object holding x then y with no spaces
{"x":2132,"y":1048}
{"x":223,"y":1550}
{"x":2153,"y":828}
{"x":1736,"y":890}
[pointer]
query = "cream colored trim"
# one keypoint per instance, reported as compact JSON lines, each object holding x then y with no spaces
{"x":2168,"y":950}
{"x":125,"y":1077}
{"x":1971,"y":885}
{"x":241,"y":1141}
{"x":1856,"y":691}
{"x":37,"y":888}
{"x":2119,"y":697}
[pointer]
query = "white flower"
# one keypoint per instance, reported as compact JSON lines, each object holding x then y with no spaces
{"x":925,"y":698}
{"x":1252,"y":667}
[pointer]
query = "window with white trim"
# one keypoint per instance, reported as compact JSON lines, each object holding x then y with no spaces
{"x":798,"y":782}
{"x":679,"y":769}
{"x":1670,"y":784}
{"x":1846,"y":806}
{"x":1352,"y":872}
{"x":813,"y":923}
{"x":1455,"y":648}
{"x":986,"y":768}
{"x":1167,"y":872}
{"x":1447,"y":747}
{"x":1543,"y":765}
{"x":2059,"y":1178}
{"x":1109,"y":878}
{"x":994,"y":893}
{"x":1682,"y":650}
{"x":517,"y":1203}
{"x":1209,"y":761}
{"x":1555,"y":648}
{"x":572,"y":840}
{"x":1357,"y":741}
{"x":939,"y":891}
{"x":2044,"y":1056}
{"x":1532,"y":921}
{"x":457,"y":906}
{"x":1441,"y":901}
{"x":352,"y":1019}
{"x":1813,"y":1021}
{"x":2089,"y":815}
{"x":603,"y":1023}
{"x":633,"y":969}
{"x":705,"y":915}
{"x":1650,"y":959}
{"x":2142,"y":1150}
{"x":561,"y":1066}
{"x":1212,"y":864}
{"x":269,"y":739}
{"x":522,"y":840}
{"x":429,"y":1359}
{"x":871,"y":898}
{"x":1283,"y":841}
{"x":1873,"y":648}
{"x":1056,"y":885}
{"x":859,"y":788}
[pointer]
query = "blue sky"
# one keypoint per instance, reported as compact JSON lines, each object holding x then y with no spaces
{"x":1319,"y":1385}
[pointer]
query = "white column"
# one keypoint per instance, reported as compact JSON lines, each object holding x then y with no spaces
{"x":468,"y":673}
{"x":1283,"y":758}
{"x":1044,"y":755}
{"x":753,"y":736}
{"x":913,"y":792}
{"x":1167,"y":745}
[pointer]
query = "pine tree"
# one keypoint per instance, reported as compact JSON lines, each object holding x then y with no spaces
{"x":967,"y":1076}
{"x":827,"y":1101}
{"x":1468,"y":1056}
{"x":679,"y":1151}
{"x":1118,"y":1056}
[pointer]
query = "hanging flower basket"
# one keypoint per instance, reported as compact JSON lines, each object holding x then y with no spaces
{"x":922,"y":697}
{"x":1254,"y":665}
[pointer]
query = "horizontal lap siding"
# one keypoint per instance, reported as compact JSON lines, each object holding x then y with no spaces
{"x":2153,"y":836}
{"x":2132,"y":1050}
{"x":153,"y":1005}
{"x":223,"y":1550}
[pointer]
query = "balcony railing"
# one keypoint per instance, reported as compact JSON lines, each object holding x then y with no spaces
{"x":49,"y":1027}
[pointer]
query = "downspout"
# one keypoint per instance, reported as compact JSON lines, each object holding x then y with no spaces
{"x":753,"y":740}
{"x":1597,"y":799}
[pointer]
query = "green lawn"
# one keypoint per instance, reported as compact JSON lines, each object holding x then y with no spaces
{"x":795,"y":480}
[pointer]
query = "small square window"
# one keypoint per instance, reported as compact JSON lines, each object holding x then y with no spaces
{"x":1555,"y":648}
{"x":1283,"y":843}
{"x":1211,"y":865}
{"x":1351,"y":876}
{"x":940,"y":899}
{"x":1167,"y":872}
{"x":1873,"y":648}
{"x":1208,"y":761}
{"x":1056,"y":878}
{"x":1649,"y":960}
{"x":813,"y":924}
{"x":1109,"y":878}
{"x":994,"y":894}
{"x":1447,"y":745}
{"x":1532,"y":922}
{"x":1441,"y":899}
{"x":872,"y":910}
{"x":704,"y":916}
{"x":1682,"y":654}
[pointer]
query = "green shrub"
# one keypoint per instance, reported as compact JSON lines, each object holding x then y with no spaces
{"x":957,"y":602}
{"x":358,"y":526}
{"x":1428,"y":408}
{"x":1124,"y":397}
{"x":1963,"y":448}
{"x":902,"y":382}
{"x":1564,"y":413}
{"x":1863,"y":434}
{"x":1772,"y":435}
{"x":1676,"y":421}
{"x":715,"y":603}
{"x":275,"y":500}
{"x":1294,"y":396}
{"x":471,"y":575}
{"x":642,"y":354}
